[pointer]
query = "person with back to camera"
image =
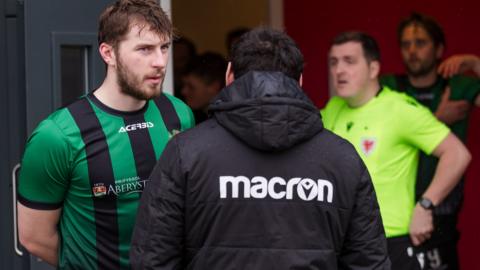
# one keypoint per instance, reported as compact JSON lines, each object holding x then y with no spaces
{"x":261,"y":184}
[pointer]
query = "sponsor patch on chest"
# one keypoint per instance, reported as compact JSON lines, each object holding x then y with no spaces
{"x":136,"y":126}
{"x":368,"y":145}
{"x":121,"y":186}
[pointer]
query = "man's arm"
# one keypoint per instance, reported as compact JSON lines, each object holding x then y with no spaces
{"x":38,"y":233}
{"x":458,"y":64}
{"x":453,"y":160}
{"x":365,"y":245}
{"x":451,"y":111}
{"x":158,"y":236}
{"x":44,"y":180}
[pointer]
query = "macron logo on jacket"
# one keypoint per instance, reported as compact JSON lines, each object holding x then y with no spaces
{"x":276,"y":188}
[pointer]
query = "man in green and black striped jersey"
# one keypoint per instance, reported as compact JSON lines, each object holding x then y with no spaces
{"x":85,"y":166}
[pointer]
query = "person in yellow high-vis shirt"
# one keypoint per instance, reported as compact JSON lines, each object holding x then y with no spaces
{"x":389,"y":129}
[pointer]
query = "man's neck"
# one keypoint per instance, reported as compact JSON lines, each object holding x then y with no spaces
{"x":364,"y":96}
{"x":423,"y":81}
{"x":109,"y":93}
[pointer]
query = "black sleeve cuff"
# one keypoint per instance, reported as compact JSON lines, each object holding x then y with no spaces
{"x":38,"y":205}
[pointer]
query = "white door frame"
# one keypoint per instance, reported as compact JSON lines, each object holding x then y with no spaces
{"x":168,"y":82}
{"x":276,"y":14}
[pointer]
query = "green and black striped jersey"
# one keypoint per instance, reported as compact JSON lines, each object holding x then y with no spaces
{"x":93,"y":162}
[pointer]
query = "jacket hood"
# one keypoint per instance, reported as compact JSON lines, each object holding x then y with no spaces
{"x":267,"y":110}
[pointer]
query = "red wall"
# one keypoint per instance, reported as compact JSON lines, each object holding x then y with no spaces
{"x":313,"y":24}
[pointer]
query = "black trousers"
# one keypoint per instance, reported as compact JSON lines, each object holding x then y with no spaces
{"x":437,"y":253}
{"x":402,"y":254}
{"x":441,"y":249}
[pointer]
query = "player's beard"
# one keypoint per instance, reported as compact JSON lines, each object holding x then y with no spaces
{"x":131,"y":85}
{"x":424,"y":68}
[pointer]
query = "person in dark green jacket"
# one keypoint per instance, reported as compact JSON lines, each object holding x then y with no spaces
{"x":440,"y":87}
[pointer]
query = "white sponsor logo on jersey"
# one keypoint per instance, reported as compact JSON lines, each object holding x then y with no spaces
{"x":135,"y":127}
{"x":276,"y":188}
{"x":122,"y":186}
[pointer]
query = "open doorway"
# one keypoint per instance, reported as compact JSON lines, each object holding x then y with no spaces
{"x":207,"y":22}
{"x":204,"y":26}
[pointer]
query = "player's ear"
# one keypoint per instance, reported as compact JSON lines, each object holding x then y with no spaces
{"x":229,"y":76}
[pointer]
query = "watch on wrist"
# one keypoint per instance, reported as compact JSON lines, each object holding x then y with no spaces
{"x":426,"y":203}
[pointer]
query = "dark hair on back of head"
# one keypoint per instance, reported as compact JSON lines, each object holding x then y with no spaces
{"x":116,"y":20}
{"x":371,"y":51}
{"x":431,"y":26}
{"x":265,"y":49}
{"x":210,"y":67}
{"x":233,"y":35}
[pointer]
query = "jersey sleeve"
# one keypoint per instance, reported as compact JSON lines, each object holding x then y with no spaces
{"x":45,"y":168}
{"x":420,"y":127}
{"x":469,"y":87}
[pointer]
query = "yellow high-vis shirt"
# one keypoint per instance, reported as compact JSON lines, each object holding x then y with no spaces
{"x":388,"y":132}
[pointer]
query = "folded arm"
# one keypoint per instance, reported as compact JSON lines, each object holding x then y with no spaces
{"x":458,"y":64}
{"x":453,"y":160}
{"x":38,"y":233}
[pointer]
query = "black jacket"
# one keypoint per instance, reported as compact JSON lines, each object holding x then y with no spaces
{"x":260,"y":185}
